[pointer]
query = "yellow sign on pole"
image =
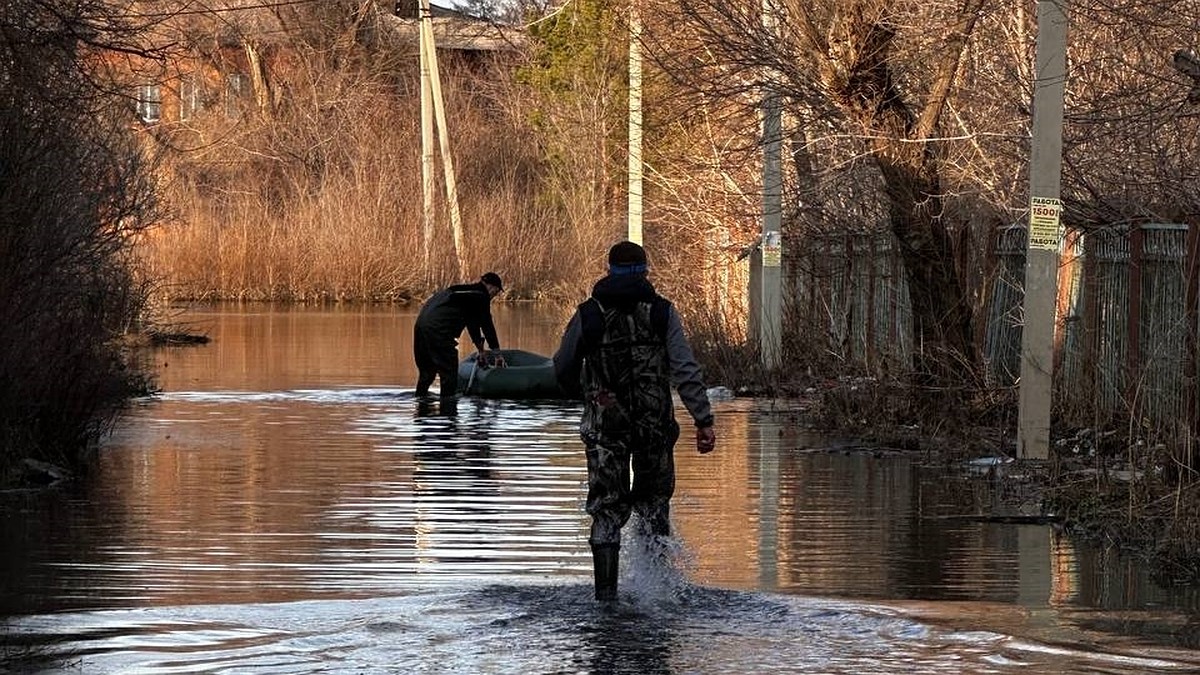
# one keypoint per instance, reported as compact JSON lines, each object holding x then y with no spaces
{"x":1045,"y":223}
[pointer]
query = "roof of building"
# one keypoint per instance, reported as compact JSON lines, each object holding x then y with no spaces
{"x":458,"y":32}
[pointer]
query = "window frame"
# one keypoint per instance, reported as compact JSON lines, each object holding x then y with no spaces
{"x":149,"y":103}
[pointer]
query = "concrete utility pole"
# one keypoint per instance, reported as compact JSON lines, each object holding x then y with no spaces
{"x":771,"y":258}
{"x":771,"y":299}
{"x":635,"y":124}
{"x":1041,"y":258}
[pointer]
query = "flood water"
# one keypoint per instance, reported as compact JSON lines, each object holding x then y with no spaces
{"x":284,"y":505}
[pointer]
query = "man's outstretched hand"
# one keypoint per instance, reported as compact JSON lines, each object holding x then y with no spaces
{"x":706,"y":440}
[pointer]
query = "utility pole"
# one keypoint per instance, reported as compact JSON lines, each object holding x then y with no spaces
{"x":635,"y":124}
{"x":426,"y":151}
{"x":429,"y":60}
{"x":771,"y":253}
{"x":1044,"y":234}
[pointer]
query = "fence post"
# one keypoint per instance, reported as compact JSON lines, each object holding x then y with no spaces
{"x":894,"y":298}
{"x":1133,"y":333}
{"x":872,"y":277}
{"x":848,"y":295}
{"x":1089,"y":365}
{"x":1192,"y":315}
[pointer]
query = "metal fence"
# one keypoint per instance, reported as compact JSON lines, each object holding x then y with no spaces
{"x":1125,"y":346}
{"x":849,"y":291}
{"x":1130,"y":326}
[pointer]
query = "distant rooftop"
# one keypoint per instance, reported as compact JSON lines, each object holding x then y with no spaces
{"x":408,"y":9}
{"x":452,"y":29}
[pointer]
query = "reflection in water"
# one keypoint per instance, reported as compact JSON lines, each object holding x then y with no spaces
{"x":287,"y":503}
{"x":453,"y":477}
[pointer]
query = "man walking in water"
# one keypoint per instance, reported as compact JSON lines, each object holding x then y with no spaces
{"x":441,"y":321}
{"x":625,"y":348}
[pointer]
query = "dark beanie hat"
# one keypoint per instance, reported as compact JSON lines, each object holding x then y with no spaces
{"x":626,"y":258}
{"x":493,"y":279}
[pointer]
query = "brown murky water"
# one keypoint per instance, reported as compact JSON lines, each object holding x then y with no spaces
{"x":286,"y":506}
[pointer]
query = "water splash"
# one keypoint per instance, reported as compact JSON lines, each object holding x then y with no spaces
{"x":653,"y":568}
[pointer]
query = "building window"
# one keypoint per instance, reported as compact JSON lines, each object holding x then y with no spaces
{"x":237,"y":87}
{"x":190,"y":101}
{"x":149,"y":103}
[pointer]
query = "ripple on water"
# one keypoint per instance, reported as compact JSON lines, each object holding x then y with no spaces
{"x":347,"y":530}
{"x":544,"y":628}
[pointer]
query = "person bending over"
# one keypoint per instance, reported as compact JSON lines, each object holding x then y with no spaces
{"x":440,"y":323}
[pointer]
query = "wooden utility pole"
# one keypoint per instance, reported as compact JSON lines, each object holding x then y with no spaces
{"x":429,"y":52}
{"x":1044,"y":236}
{"x":635,"y":124}
{"x":427,"y":214}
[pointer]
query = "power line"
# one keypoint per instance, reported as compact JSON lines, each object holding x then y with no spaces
{"x":216,"y":10}
{"x":274,"y":4}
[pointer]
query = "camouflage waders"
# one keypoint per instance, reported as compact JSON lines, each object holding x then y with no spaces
{"x":611,"y":499}
{"x":629,"y":431}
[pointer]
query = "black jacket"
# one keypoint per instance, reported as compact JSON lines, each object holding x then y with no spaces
{"x":447,"y":312}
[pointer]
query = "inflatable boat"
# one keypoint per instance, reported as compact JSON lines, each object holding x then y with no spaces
{"x":522,"y":374}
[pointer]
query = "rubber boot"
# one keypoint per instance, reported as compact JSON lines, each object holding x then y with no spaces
{"x":605,"y":563}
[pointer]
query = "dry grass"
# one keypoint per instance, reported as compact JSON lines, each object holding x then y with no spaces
{"x":325,"y":206}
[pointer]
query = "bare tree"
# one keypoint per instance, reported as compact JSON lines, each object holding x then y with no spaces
{"x":1132,"y":128}
{"x":74,"y":190}
{"x":881,"y":72}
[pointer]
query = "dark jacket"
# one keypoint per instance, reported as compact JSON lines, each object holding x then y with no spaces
{"x":624,"y":293}
{"x":444,"y":316}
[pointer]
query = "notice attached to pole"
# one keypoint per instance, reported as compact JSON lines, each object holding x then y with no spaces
{"x":772,"y":250}
{"x":1045,"y":223}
